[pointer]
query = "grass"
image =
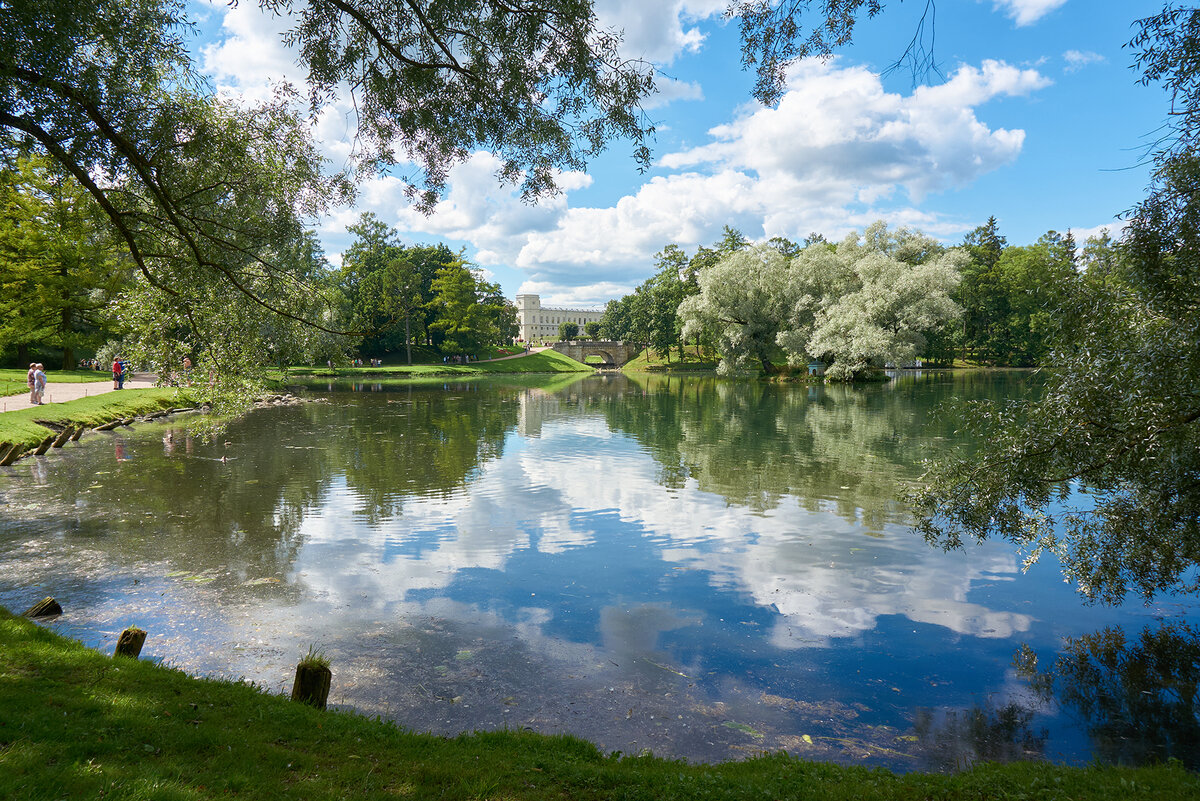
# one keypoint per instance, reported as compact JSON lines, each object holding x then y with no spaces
{"x":26,"y":426}
{"x":75,"y":723}
{"x":650,"y":361}
{"x":547,"y":361}
{"x":12,"y":380}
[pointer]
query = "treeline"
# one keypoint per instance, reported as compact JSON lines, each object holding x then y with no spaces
{"x":68,"y":285}
{"x":423,"y":296}
{"x":874,"y":299}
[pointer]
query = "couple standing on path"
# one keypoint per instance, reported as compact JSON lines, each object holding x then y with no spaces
{"x":36,"y":380}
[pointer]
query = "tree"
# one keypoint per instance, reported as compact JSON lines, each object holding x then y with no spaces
{"x":592,"y":329}
{"x":466,"y":321}
{"x":201,"y":192}
{"x":59,"y":268}
{"x":1103,"y":469}
{"x":869,"y":303}
{"x":744,"y":299}
{"x":568,"y":330}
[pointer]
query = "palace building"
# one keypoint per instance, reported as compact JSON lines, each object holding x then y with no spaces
{"x":539,"y":323}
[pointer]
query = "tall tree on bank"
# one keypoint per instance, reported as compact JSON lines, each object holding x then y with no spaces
{"x":1103,"y":470}
{"x":59,"y":267}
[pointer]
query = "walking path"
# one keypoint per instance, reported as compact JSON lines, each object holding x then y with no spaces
{"x":514,"y":356}
{"x":62,"y":392}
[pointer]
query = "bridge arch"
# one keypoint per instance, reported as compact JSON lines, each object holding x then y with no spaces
{"x":614,"y":353}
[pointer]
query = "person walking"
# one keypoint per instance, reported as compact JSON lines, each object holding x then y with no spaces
{"x":39,"y":384}
{"x":116,"y":372}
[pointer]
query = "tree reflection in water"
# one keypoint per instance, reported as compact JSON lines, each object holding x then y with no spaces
{"x":1136,"y":697}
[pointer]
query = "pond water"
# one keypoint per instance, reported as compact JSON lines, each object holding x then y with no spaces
{"x":704,"y":569}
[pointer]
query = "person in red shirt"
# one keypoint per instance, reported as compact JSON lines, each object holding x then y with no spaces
{"x":116,"y":371}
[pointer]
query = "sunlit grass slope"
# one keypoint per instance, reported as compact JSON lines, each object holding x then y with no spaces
{"x":78,"y":724}
{"x":547,"y":361}
{"x":23,"y":426}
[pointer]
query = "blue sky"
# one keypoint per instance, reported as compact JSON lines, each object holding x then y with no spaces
{"x":1037,"y":119}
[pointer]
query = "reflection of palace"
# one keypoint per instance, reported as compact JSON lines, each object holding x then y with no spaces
{"x":536,"y":405}
{"x":536,"y":322}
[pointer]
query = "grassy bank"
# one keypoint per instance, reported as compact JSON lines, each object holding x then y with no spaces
{"x":78,"y":724}
{"x":547,"y":361}
{"x":650,"y":361}
{"x":28,"y":427}
{"x":12,"y":381}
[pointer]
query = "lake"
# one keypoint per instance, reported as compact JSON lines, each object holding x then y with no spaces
{"x":699,"y":568}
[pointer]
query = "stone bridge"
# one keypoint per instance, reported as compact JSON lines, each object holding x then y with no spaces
{"x":613,"y":353}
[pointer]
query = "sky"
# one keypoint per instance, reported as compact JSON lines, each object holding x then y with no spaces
{"x":1036,"y":118}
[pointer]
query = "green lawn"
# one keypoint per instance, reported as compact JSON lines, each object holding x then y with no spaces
{"x":547,"y":361}
{"x":78,"y":724}
{"x":12,"y":380}
{"x":650,"y":360}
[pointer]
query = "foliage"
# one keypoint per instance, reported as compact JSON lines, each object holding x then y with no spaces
{"x":469,"y":318}
{"x":59,"y":266}
{"x":1102,"y":469}
{"x":1013,"y":297}
{"x":206,"y":196}
{"x":857,"y":306}
{"x":876,"y":300}
{"x":744,"y":301}
{"x":592,"y":329}
{"x":167,"y":735}
{"x":568,"y":330}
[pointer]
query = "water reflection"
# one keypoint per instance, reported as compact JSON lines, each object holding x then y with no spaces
{"x":1137,"y":695}
{"x":704,"y":568}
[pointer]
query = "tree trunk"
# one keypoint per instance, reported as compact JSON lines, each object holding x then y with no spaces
{"x":408,"y":338}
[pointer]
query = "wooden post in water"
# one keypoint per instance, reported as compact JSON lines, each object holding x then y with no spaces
{"x":311,"y":687}
{"x":43,"y":608}
{"x":45,"y":446}
{"x":130,"y":642}
{"x":62,"y":437}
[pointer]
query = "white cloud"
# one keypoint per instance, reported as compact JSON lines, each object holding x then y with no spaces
{"x":1078,"y":59}
{"x":670,"y":90}
{"x":1115,"y":229}
{"x":1027,"y":12}
{"x":836,"y":153}
{"x":658,"y":31}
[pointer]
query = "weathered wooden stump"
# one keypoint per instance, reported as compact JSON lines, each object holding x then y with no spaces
{"x":78,"y":433}
{"x":130,"y":642}
{"x":44,"y":608}
{"x":45,"y":446}
{"x":15,"y":453}
{"x":5,"y":449}
{"x":312,"y":684}
{"x":63,"y":436}
{"x":109,"y":426}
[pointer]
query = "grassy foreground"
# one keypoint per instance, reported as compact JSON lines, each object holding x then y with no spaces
{"x":78,"y":724}
{"x":25,"y":426}
{"x":547,"y":361}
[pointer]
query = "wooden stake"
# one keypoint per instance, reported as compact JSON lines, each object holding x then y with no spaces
{"x":130,"y":642}
{"x":44,"y":608}
{"x":312,"y":684}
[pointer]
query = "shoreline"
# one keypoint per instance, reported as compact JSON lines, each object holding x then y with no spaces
{"x":75,"y":722}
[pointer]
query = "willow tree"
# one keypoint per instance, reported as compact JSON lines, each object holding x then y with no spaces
{"x":1103,"y":469}
{"x":204,"y":195}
